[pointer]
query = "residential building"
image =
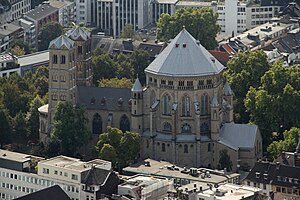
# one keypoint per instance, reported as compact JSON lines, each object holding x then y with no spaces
{"x":42,"y":15}
{"x":145,"y":187}
{"x":29,"y":31}
{"x":66,"y":11}
{"x":19,"y":7}
{"x":181,"y":176}
{"x":275,"y":178}
{"x":113,"y":15}
{"x":8,"y":65}
{"x":218,"y":192}
{"x":86,"y":12}
{"x":291,"y":158}
{"x":23,"y":174}
{"x":5,"y":12}
{"x":184,"y":84}
{"x":9,"y":33}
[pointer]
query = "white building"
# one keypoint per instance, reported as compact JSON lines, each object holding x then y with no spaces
{"x":29,"y":31}
{"x":145,"y":187}
{"x":19,"y":175}
{"x":162,"y":6}
{"x":66,"y":11}
{"x":86,"y":11}
{"x":19,"y":7}
{"x":113,"y":15}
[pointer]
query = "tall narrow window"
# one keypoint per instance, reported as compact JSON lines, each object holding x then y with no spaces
{"x":185,"y":148}
{"x":204,"y":104}
{"x":79,"y":49}
{"x":166,"y":104}
{"x":54,"y":59}
{"x":185,"y":106}
{"x":167,"y":127}
{"x":63,"y":59}
{"x":124,"y":124}
{"x":163,"y":147}
{"x":97,"y":124}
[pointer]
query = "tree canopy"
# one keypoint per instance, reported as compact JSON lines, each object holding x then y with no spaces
{"x":116,"y":83}
{"x":69,"y":128}
{"x":291,"y":138}
{"x":5,"y":128}
{"x":225,"y":161}
{"x":128,"y":31}
{"x":245,"y":70}
{"x":111,"y":146}
{"x":201,"y":24}
{"x":48,"y":33}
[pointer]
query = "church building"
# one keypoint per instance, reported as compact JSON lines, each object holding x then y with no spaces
{"x":184,"y":114}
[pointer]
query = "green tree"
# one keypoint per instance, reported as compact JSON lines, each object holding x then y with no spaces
{"x":5,"y":128}
{"x":108,"y":152}
{"x":20,"y":129}
{"x":17,"y":50}
{"x":224,"y":160}
{"x":245,"y":70}
{"x":33,"y":118}
{"x":140,"y":60}
{"x":289,"y":143}
{"x":103,"y":67}
{"x":201,"y":23}
{"x":117,"y":142}
{"x":127,"y":31}
{"x":69,"y":128}
{"x":41,"y":80}
{"x":274,"y":105}
{"x":116,"y":83}
{"x":48,"y":33}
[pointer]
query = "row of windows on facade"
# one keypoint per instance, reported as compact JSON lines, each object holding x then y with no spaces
{"x":295,"y":192}
{"x":37,"y":181}
{"x":124,"y":123}
{"x":73,"y":176}
{"x":55,"y":97}
{"x":185,"y":147}
{"x":185,"y":105}
{"x":186,"y":128}
{"x":181,"y":83}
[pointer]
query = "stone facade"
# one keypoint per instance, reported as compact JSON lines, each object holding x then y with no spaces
{"x":184,"y":114}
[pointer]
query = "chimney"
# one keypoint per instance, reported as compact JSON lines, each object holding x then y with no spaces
{"x":184,"y":45}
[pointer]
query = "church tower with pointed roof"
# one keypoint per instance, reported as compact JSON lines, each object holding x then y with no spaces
{"x":137,"y":106}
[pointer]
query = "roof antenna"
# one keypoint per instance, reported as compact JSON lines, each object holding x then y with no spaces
{"x":183,"y":27}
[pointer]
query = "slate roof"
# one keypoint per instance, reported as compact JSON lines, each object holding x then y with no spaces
{"x":40,"y":12}
{"x":275,"y":174}
{"x":137,"y":86}
{"x":50,"y":193}
{"x":111,"y":99}
{"x":97,"y":176}
{"x":78,"y":33}
{"x":183,"y":57}
{"x":238,"y":136}
{"x":152,"y":49}
{"x":61,"y":41}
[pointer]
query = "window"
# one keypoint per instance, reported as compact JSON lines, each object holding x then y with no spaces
{"x":55,"y":172}
{"x":54,"y":59}
{"x":264,"y":186}
{"x":185,"y":106}
{"x":63,"y":78}
{"x":163,"y":82}
{"x":74,"y":177}
{"x":163,"y":147}
{"x":63,"y":59}
{"x":181,"y":83}
{"x":209,"y":82}
{"x":248,"y":183}
{"x":167,"y":127}
{"x":97,"y":124}
{"x":190,"y":83}
{"x":186,"y":128}
{"x":185,"y":149}
{"x":65,"y":174}
{"x":166,"y":104}
{"x":170,"y":82}
{"x":45,"y":171}
{"x":201,"y":82}
{"x":79,"y":49}
{"x":204,"y":104}
{"x":209,"y":147}
{"x":124,"y":124}
{"x":257,"y":175}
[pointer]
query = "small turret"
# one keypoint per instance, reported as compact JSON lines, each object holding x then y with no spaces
{"x":227,"y":90}
{"x":228,"y":103}
{"x":215,"y":117}
{"x":137,"y":106}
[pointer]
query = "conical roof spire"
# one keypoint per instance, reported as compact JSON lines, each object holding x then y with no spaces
{"x":227,"y":89}
{"x":137,"y":86}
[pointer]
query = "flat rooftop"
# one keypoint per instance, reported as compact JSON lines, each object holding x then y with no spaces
{"x":14,"y":156}
{"x":73,"y":163}
{"x":142,"y":180}
{"x":34,"y":58}
{"x":195,"y":3}
{"x":230,"y":192}
{"x":162,"y":168}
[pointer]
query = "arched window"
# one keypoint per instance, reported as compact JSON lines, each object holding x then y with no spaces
{"x":167,"y":127}
{"x":54,"y":59}
{"x":63,"y":59}
{"x":163,"y":147}
{"x":97,"y":124}
{"x":204,"y":129}
{"x":204,"y":104}
{"x":124,"y":124}
{"x":186,"y":128}
{"x":147,"y":143}
{"x":185,"y":148}
{"x":166,"y":104}
{"x":208,"y":147}
{"x":185,"y":106}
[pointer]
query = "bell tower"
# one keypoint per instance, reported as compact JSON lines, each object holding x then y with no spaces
{"x":137,"y":107}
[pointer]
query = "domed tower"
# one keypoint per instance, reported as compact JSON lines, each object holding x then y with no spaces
{"x":137,"y":107}
{"x":62,"y":72}
{"x":227,"y":103}
{"x":180,"y":83}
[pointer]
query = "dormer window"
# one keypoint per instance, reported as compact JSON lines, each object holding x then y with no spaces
{"x":120,"y":102}
{"x":103,"y":101}
{"x":265,"y":176}
{"x":93,"y":100}
{"x":278,"y":178}
{"x":163,"y":82}
{"x":257,"y":175}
